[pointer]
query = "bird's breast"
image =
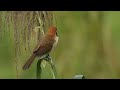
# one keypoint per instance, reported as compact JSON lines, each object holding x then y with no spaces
{"x":55,"y":43}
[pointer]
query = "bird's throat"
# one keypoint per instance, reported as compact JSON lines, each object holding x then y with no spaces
{"x":55,"y":43}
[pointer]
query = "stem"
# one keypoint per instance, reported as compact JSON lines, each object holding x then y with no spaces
{"x":53,"y":68}
{"x":39,"y":69}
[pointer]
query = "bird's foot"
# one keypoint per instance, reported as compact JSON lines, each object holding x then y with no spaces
{"x":47,"y":58}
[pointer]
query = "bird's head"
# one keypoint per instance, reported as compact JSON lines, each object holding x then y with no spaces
{"x":52,"y":31}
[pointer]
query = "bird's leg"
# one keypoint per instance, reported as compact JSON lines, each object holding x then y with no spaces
{"x":47,"y":58}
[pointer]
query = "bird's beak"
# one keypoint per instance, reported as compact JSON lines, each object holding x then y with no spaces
{"x":56,"y":34}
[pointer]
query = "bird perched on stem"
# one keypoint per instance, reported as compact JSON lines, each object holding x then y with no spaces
{"x":46,"y":45}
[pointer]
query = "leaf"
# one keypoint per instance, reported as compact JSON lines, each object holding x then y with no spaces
{"x":43,"y":64}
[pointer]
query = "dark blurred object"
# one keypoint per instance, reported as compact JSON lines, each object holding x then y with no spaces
{"x":79,"y":77}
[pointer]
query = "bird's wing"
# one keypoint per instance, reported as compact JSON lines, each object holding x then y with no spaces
{"x":45,"y":46}
{"x":38,"y":45}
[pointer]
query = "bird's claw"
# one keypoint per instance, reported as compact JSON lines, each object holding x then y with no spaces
{"x":47,"y":58}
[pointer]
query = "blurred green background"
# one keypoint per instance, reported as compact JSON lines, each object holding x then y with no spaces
{"x":89,"y":44}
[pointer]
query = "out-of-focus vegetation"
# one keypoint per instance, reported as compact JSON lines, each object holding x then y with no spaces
{"x":88,"y":44}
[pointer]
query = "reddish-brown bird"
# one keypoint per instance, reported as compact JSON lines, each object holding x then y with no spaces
{"x":46,"y":45}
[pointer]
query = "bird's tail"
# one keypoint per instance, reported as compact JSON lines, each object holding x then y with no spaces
{"x":29,"y":62}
